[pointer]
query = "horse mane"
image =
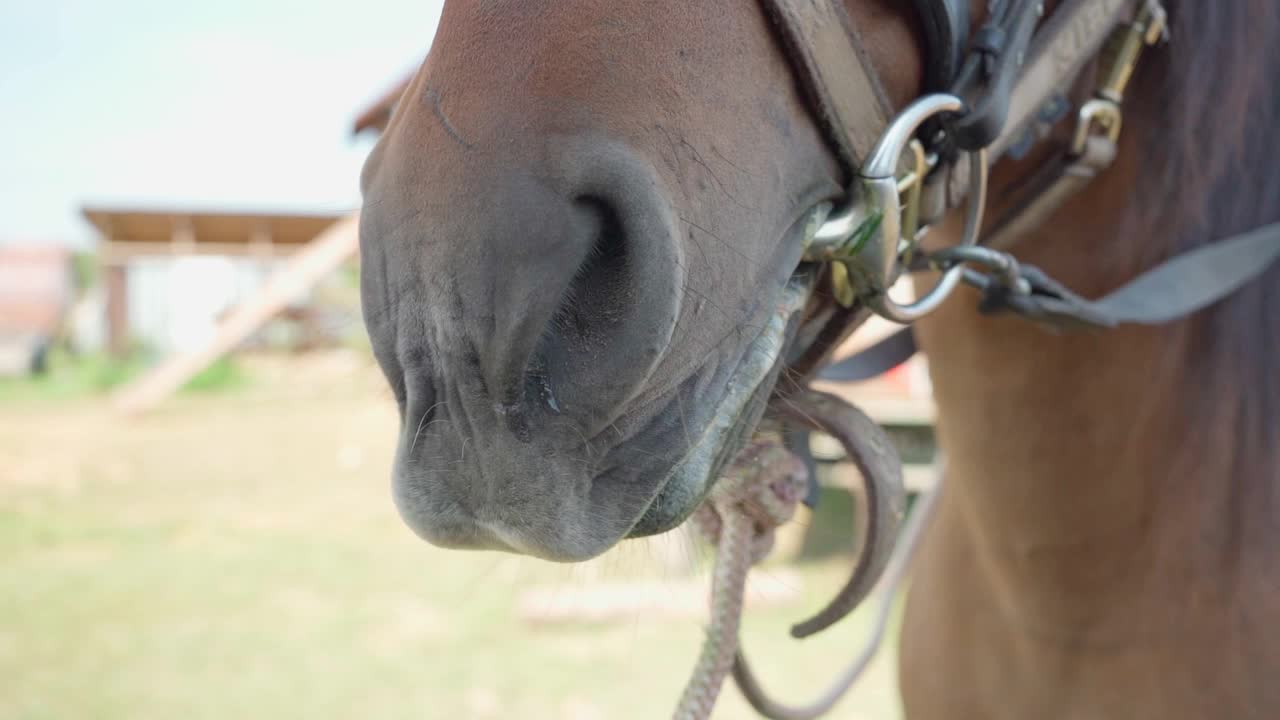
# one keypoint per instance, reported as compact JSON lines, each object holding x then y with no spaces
{"x":1209,"y":106}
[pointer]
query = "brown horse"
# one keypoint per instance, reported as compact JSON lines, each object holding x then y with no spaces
{"x":579,"y":225}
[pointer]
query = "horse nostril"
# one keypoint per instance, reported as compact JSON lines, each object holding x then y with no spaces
{"x":586,"y":324}
{"x":579,"y":324}
{"x":593,"y":302}
{"x":611,"y":320}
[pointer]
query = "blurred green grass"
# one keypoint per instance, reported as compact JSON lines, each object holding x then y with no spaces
{"x":238,"y":555}
{"x":88,"y":375}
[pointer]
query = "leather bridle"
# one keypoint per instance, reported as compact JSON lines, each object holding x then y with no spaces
{"x":989,"y":96}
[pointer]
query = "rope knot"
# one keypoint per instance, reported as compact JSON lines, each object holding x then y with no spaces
{"x":765,"y":484}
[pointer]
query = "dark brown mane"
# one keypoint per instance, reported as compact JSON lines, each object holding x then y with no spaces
{"x":1208,"y":108}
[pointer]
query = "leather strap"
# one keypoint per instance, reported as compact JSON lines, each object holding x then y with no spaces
{"x":1048,"y":189}
{"x":832,"y":65}
{"x":1071,"y":37}
{"x":946,"y":29}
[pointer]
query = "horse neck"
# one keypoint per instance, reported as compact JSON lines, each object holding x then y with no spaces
{"x":1089,"y":464}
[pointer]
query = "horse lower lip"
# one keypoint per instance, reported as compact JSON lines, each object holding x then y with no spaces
{"x":693,"y":475}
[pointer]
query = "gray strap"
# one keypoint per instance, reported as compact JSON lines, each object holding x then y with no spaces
{"x":1171,"y":291}
{"x":1194,"y":280}
{"x":832,"y":64}
{"x":1048,"y":189}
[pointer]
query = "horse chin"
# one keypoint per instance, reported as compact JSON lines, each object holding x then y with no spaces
{"x":734,"y":419}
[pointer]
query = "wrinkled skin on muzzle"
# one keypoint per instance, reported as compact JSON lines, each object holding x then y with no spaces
{"x":578,"y":231}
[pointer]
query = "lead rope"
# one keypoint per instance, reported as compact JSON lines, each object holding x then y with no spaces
{"x":758,"y":494}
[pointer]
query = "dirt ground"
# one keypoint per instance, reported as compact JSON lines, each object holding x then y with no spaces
{"x":237,"y":556}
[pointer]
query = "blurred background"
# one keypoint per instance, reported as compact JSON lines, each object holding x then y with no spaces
{"x":195,"y":443}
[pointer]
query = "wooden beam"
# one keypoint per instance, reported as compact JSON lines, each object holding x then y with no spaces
{"x":302,"y":271}
{"x":116,"y":252}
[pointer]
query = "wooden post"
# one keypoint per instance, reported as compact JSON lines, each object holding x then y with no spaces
{"x":261,"y":243}
{"x":182,"y":241}
{"x":117,"y":285}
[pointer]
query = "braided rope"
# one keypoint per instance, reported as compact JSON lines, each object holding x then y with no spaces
{"x":758,"y":494}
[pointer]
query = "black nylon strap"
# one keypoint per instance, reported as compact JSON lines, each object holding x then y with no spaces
{"x":946,"y":30}
{"x":987,"y":79}
{"x":873,"y":361}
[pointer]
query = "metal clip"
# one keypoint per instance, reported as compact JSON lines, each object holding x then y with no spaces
{"x":1125,"y":48}
{"x":1102,"y":116}
{"x":1097,"y":114}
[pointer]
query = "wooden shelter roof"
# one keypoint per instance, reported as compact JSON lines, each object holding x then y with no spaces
{"x":123,"y":225}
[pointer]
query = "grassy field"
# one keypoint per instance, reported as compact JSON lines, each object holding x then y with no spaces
{"x":236,"y":555}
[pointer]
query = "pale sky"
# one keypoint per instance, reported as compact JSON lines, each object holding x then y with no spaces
{"x":241,"y":104}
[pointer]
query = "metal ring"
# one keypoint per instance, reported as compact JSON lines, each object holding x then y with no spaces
{"x":883,"y":160}
{"x":879,"y":188}
{"x":887,"y":308}
{"x":882,"y":164}
{"x":1001,"y":264}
